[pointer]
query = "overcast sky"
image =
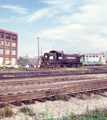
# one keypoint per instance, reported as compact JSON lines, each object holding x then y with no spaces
{"x":72,"y":26}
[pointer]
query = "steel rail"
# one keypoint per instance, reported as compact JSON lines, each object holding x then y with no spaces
{"x":46,"y":80}
{"x":51,"y":90}
{"x":50,"y":73}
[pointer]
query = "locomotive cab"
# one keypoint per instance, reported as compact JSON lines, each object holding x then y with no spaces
{"x":57,"y":55}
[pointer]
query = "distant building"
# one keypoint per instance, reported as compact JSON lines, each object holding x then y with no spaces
{"x":106,"y":56}
{"x":95,"y":57}
{"x":33,"y":60}
{"x":8,"y":47}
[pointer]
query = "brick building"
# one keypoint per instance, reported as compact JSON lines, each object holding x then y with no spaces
{"x":8,"y":47}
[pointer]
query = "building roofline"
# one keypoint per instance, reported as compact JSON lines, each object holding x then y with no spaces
{"x":1,"y":30}
{"x":94,"y":54}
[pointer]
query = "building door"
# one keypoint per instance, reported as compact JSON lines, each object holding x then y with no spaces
{"x":7,"y":60}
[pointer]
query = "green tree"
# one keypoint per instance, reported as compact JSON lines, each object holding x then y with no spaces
{"x":20,"y":59}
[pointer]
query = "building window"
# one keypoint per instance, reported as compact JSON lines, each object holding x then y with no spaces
{"x":1,"y":34}
{"x":1,"y":42}
{"x":7,"y":43}
{"x":13,"y":52}
{"x":7,"y":52}
{"x":1,"y":51}
{"x":86,"y":57}
{"x":14,"y":37}
{"x":7,"y":36}
{"x":83,"y":57}
{"x":13,"y":44}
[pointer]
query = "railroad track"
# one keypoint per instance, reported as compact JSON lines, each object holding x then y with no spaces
{"x":49,"y":73}
{"x":57,"y":85}
{"x":23,"y":82}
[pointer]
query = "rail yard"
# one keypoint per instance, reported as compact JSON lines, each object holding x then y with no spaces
{"x":44,"y":85}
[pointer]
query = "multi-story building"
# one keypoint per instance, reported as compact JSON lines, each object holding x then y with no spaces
{"x":8,"y":47}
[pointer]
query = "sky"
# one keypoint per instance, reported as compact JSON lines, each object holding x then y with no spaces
{"x":72,"y":26}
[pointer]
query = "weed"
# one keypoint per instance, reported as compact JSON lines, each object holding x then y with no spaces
{"x":62,"y":97}
{"x":72,"y":116}
{"x":89,"y":115}
{"x":27,"y":111}
{"x":6,"y":112}
{"x":105,"y":112}
{"x":81,"y":96}
{"x":95,"y":115}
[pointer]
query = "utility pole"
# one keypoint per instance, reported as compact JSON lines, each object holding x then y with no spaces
{"x":41,"y":51}
{"x":38,"y":50}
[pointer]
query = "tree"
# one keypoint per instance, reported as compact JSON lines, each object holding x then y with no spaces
{"x":20,"y":59}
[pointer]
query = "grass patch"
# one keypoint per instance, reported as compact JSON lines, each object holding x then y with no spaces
{"x":62,"y":97}
{"x":69,"y":69}
{"x":95,"y":115}
{"x":90,"y":115}
{"x":17,"y":70}
{"x":27,"y":111}
{"x":6,"y":112}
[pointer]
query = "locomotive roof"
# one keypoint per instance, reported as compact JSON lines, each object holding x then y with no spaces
{"x":61,"y":52}
{"x":71,"y":54}
{"x":54,"y":51}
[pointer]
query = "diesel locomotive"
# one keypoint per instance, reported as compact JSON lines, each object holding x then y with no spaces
{"x":59,"y":59}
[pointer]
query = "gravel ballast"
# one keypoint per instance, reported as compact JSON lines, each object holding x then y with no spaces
{"x":59,"y":108}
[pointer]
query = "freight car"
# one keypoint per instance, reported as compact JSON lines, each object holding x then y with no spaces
{"x":59,"y":59}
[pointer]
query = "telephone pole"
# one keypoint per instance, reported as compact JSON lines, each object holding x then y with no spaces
{"x":41,"y":51}
{"x":38,"y":49}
